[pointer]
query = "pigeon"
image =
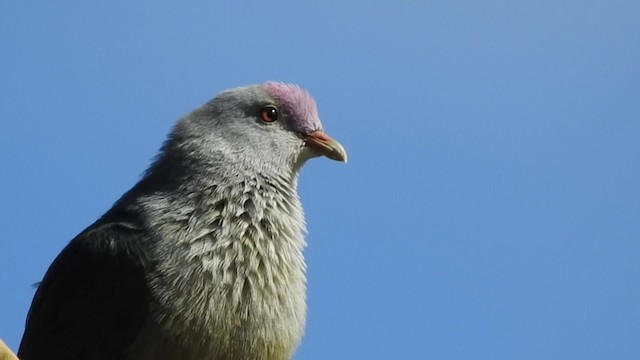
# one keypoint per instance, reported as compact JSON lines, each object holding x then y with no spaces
{"x":203,"y":257}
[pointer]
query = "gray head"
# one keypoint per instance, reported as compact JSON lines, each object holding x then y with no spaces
{"x":271,"y":127}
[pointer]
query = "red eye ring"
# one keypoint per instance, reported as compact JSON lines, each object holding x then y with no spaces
{"x":269,"y":114}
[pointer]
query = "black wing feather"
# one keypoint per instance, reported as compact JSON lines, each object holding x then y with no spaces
{"x":94,"y":297}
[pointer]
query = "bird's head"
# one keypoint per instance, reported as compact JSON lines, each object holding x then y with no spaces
{"x":265,"y":126}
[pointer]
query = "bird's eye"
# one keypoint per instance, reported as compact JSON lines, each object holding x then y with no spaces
{"x":269,"y":114}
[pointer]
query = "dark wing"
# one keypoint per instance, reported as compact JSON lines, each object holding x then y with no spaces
{"x":94,"y":297}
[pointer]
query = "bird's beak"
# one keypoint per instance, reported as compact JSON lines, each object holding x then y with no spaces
{"x":324,"y":145}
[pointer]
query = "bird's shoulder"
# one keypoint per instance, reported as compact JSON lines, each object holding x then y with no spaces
{"x":95,"y":292}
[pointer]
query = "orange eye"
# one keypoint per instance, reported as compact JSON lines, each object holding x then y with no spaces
{"x":269,"y":114}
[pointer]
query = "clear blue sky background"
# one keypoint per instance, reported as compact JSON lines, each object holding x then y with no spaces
{"x":491,"y":205}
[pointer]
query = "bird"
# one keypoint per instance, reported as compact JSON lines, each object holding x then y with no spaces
{"x":203,"y":258}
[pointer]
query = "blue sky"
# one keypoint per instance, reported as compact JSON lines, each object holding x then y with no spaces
{"x":490,"y":208}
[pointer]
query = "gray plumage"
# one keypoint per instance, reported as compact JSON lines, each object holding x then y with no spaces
{"x":203,"y":258}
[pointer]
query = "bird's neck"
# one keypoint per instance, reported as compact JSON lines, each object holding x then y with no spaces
{"x":235,"y":243}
